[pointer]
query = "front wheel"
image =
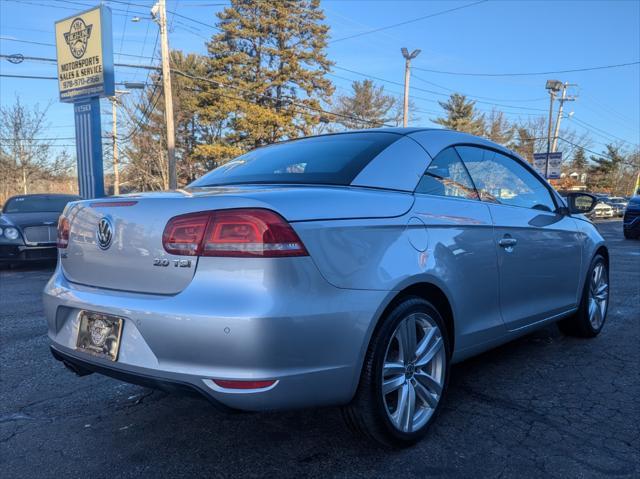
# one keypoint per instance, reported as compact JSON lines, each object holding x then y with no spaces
{"x":588,"y":321}
{"x":404,"y":376}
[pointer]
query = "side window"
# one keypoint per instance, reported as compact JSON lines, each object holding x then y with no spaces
{"x":447,"y":176}
{"x":500,"y":179}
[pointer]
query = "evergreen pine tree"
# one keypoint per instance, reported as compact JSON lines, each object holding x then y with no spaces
{"x":499,"y":129}
{"x":605,"y":170}
{"x":267,"y":56}
{"x":367,"y":107}
{"x":461,"y":115}
{"x":579,"y":161}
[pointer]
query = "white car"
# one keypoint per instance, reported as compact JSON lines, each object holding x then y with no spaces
{"x":603,"y":210}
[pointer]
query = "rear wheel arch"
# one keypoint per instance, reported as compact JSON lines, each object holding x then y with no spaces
{"x":424,"y":290}
{"x":436,"y":296}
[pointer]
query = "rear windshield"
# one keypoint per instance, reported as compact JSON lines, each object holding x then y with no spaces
{"x":329,"y":160}
{"x":36,"y":204}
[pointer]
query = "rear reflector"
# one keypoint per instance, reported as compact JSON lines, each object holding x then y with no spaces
{"x":63,"y":232}
{"x":246,"y":232}
{"x":232,"y":384}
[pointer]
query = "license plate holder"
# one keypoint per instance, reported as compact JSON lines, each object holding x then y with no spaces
{"x":99,"y":334}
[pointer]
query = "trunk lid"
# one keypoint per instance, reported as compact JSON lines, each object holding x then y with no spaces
{"x":135,"y":259}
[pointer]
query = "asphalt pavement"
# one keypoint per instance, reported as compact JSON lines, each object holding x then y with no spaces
{"x":543,"y":406}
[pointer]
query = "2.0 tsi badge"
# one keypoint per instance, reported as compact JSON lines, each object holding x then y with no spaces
{"x":104,"y":233}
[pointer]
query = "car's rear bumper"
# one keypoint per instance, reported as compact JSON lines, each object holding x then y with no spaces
{"x":18,"y":253}
{"x":298,"y":330}
{"x":80,"y":364}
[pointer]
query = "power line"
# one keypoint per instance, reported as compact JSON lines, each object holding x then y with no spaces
{"x":573,"y":70}
{"x":8,"y":39}
{"x":288,"y":100}
{"x":601,"y":155}
{"x":602,"y":133}
{"x":452,"y":90}
{"x":406,"y":22}
{"x":30,"y":77}
{"x":433,"y":92}
{"x":39,"y":139}
{"x":53,"y":60}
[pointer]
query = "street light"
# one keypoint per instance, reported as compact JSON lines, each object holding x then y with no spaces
{"x":134,"y":85}
{"x":407,"y":65}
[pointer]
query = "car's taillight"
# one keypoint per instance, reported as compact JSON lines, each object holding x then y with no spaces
{"x":183,"y":234}
{"x":63,"y":232}
{"x":245,"y":232}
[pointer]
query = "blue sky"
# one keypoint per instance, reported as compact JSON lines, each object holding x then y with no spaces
{"x":496,"y":36}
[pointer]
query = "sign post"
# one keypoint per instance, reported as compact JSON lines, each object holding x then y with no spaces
{"x":84,"y":48}
{"x":549,"y":165}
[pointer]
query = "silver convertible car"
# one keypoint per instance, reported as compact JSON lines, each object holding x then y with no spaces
{"x":348,"y":269}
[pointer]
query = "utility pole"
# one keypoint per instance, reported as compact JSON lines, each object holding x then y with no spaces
{"x":114,"y":139}
{"x":159,"y":13}
{"x":553,"y":87}
{"x":561,"y":100}
{"x":407,"y":73}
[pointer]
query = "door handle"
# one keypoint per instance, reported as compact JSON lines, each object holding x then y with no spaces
{"x":508,"y":243}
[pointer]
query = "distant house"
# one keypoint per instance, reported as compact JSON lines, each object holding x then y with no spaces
{"x":576,"y":180}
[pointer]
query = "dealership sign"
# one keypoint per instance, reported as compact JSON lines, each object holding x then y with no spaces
{"x":84,"y":49}
{"x":555,"y":164}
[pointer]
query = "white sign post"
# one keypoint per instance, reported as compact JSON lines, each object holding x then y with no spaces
{"x":554,"y":167}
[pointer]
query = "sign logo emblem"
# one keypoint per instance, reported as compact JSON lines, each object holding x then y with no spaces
{"x":104,"y":233}
{"x":77,"y":37}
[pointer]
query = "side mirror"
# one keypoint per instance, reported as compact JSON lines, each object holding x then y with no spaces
{"x":581,"y":203}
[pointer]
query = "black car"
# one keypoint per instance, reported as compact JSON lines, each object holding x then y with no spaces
{"x":631,"y":221}
{"x":28,"y":226}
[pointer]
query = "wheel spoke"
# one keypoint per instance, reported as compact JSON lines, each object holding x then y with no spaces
{"x":407,"y":333}
{"x":596,"y":317}
{"x":409,"y":407}
{"x":390,"y":385}
{"x":397,"y":416}
{"x":428,"y":382}
{"x":592,"y":308}
{"x":428,"y":356}
{"x":425,"y":395}
{"x":597,"y":273}
{"x":601,"y":291}
{"x":392,"y":368}
{"x":424,"y":343}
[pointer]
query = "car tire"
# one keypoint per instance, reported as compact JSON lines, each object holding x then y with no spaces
{"x":420,"y":383}
{"x":589,"y":320}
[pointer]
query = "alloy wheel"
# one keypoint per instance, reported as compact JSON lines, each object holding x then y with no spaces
{"x":413,"y":372}
{"x":598,"y":295}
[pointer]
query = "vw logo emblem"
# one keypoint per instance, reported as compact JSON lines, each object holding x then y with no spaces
{"x":104,"y":233}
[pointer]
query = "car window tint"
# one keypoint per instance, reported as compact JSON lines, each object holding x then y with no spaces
{"x":331,"y":159}
{"x":447,"y":176}
{"x":500,"y":179}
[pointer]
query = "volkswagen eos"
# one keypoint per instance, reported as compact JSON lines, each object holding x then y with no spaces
{"x":347,"y":269}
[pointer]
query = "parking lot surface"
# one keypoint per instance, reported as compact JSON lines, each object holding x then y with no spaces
{"x":543,"y":406}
